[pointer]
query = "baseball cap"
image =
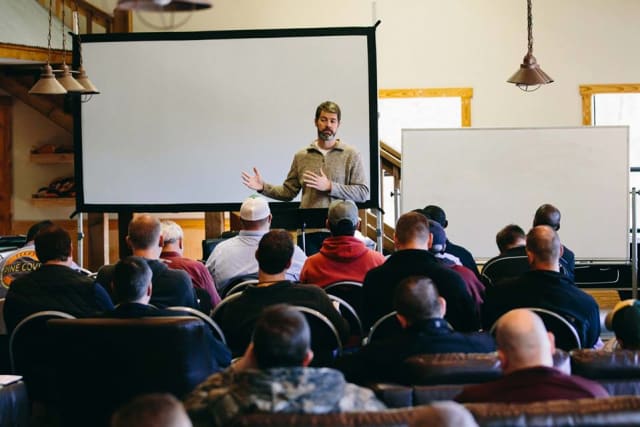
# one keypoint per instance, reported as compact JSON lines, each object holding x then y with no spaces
{"x":343,"y":209}
{"x":439,"y":236}
{"x":435,"y":213}
{"x":254,"y":208}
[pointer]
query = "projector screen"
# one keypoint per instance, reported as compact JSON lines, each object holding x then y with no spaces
{"x":180,"y":115}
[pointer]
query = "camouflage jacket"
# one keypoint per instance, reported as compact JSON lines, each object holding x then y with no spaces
{"x":294,"y":390}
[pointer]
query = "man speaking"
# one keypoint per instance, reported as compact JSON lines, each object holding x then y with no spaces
{"x":326,"y":170}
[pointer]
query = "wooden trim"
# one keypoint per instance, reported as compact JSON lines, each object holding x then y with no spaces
{"x":6,"y":165}
{"x":51,"y":158}
{"x":587,"y":92}
{"x":32,"y":53}
{"x":53,"y":201}
{"x":464,"y":93}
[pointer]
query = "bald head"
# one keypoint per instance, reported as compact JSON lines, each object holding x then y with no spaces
{"x":144,"y":233}
{"x":543,"y":248}
{"x":523,"y":341}
{"x":547,"y":215}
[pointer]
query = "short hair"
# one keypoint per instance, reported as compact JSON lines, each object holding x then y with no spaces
{"x":544,"y":243}
{"x":36,"y":228}
{"x":508,"y":236}
{"x":281,"y":337}
{"x":416,"y":298}
{"x":171,"y":232}
{"x":151,"y":410}
{"x":275,"y":251}
{"x":437,"y":214}
{"x":53,"y":243}
{"x":328,"y":107}
{"x":131,"y":276}
{"x":344,"y":227}
{"x":144,"y":231}
{"x":412,"y":226}
{"x":547,"y":215}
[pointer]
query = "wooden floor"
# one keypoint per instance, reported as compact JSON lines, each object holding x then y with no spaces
{"x":605,"y":299}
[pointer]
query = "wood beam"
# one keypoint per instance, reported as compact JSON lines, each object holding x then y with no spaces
{"x":6,"y":171}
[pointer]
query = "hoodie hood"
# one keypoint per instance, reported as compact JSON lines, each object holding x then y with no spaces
{"x":343,"y":248}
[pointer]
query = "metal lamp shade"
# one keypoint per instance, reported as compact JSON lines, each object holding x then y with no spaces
{"x":67,"y":80}
{"x":88,"y":86}
{"x":163,"y":5}
{"x":530,"y":73}
{"x":47,"y":84}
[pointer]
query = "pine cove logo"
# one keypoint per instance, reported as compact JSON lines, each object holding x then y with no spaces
{"x":18,"y":264}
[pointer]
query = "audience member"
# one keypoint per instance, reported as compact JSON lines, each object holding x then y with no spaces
{"x":173,"y":255}
{"x":545,"y":287}
{"x":525,"y":350}
{"x":170,"y":287}
{"x":550,"y":215}
{"x":438,"y":247}
{"x":235,"y":257}
{"x":55,"y":285}
{"x":512,"y":261}
{"x":342,"y":256}
{"x":412,"y":258}
{"x":133,"y":288}
{"x":152,"y":410}
{"x":624,"y":321}
{"x":420,"y":311}
{"x":238,"y":317}
{"x":274,"y":376}
{"x":437,"y":214}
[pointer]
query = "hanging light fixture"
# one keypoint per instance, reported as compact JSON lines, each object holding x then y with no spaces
{"x":83,"y":79}
{"x":530,"y":76}
{"x":66,"y":79}
{"x":163,"y":5}
{"x":47,"y":84}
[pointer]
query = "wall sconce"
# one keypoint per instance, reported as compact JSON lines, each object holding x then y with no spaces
{"x":530,"y":76}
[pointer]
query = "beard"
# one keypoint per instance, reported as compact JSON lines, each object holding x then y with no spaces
{"x":326,"y":135}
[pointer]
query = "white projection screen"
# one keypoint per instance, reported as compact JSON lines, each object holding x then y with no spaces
{"x":180,"y":115}
{"x":485,"y":179}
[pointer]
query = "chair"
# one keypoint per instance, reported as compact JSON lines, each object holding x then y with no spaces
{"x":386,"y":326}
{"x":222,"y":303}
{"x":349,"y":291}
{"x":350,"y":315}
{"x":204,"y":300}
{"x":325,"y":340}
{"x":208,"y":245}
{"x":237,"y":281}
{"x":30,"y":353}
{"x":217,"y":332}
{"x":102,"y":363}
{"x":240,"y":286}
{"x":566,"y":336}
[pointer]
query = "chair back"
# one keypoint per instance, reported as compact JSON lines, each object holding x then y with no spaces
{"x":208,"y":245}
{"x":30,"y":353}
{"x":240,"y":286}
{"x":350,"y":315}
{"x":325,"y":340}
{"x":204,"y":300}
{"x":238,"y":280}
{"x":217,"y":332}
{"x":349,"y":291}
{"x":386,"y":326}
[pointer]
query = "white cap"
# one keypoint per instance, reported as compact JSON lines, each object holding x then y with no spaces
{"x":254,"y":208}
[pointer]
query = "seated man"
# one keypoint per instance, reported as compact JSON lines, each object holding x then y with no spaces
{"x":273,"y":376}
{"x":624,"y":321}
{"x":235,"y":257}
{"x":545,"y":287}
{"x":342,"y":256}
{"x":420,"y":311}
{"x":550,"y":215}
{"x":172,"y":254}
{"x":512,"y":260}
{"x":170,"y":287}
{"x":152,"y":410}
{"x":132,"y":288}
{"x":55,"y":285}
{"x":238,"y":317}
{"x":525,"y":351}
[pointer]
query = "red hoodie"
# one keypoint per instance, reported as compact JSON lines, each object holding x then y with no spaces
{"x":340,"y":258}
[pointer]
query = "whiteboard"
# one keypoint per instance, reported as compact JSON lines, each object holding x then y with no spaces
{"x":180,"y":115}
{"x":485,"y":179}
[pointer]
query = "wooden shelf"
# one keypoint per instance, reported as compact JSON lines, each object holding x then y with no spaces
{"x":53,"y":201}
{"x":51,"y":158}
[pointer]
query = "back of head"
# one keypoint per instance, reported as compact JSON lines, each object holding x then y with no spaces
{"x":144,"y":231}
{"x":547,"y":215}
{"x":412,"y":227}
{"x":131,"y":278}
{"x":523,"y":340}
{"x":281,"y":337}
{"x":624,"y":321}
{"x":437,"y":214}
{"x":255,"y":213}
{"x":439,"y":237}
{"x":416,"y":298}
{"x":35,"y":229}
{"x":171,"y":232}
{"x":343,"y":217}
{"x":151,"y":410}
{"x":544,"y":243}
{"x":509,"y":237}
{"x":275,"y":251}
{"x":328,"y":107}
{"x":53,"y":243}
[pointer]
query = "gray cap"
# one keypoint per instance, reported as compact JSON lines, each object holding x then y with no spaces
{"x":343,"y":209}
